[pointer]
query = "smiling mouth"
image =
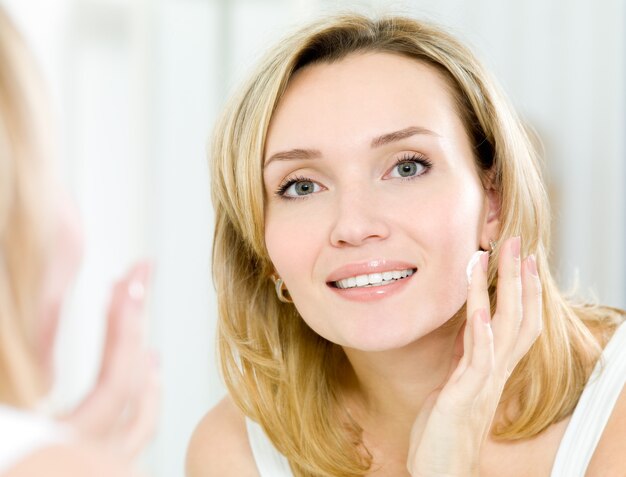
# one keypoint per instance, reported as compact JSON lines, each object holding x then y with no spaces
{"x":373,"y":279}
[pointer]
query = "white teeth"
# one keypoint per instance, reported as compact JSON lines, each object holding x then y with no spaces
{"x":373,"y":279}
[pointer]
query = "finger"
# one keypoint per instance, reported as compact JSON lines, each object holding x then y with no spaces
{"x":459,"y":394}
{"x":100,"y":412}
{"x":532,"y":321}
{"x":130,"y":288}
{"x":508,"y":315}
{"x":478,"y":290}
{"x":122,"y":358}
{"x":140,"y":428}
{"x":418,"y":430}
{"x":481,"y":364}
{"x":461,"y":361}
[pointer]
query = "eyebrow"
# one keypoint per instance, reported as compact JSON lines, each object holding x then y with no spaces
{"x":376,"y":142}
{"x":295,"y":154}
{"x":401,"y":134}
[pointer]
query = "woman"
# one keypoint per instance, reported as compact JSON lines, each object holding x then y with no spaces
{"x":40,"y":247}
{"x":360,"y":169}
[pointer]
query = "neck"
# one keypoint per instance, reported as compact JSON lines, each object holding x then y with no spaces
{"x":391,"y":386}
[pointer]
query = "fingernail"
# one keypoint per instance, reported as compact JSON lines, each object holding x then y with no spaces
{"x":516,"y":246}
{"x":472,"y":263}
{"x":136,"y":290}
{"x":532,"y":265}
{"x":138,"y":279}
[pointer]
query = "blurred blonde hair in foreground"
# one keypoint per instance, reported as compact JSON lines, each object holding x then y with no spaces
{"x":24,"y":222}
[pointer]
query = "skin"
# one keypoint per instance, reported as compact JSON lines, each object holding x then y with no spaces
{"x":78,"y":459}
{"x":363,"y":211}
{"x":412,"y":382}
{"x":61,"y":269}
{"x":117,"y":417}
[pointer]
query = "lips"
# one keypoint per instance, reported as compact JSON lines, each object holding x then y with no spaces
{"x":379,"y":272}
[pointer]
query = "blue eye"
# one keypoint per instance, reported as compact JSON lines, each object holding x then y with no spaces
{"x":297,"y":188}
{"x":407,"y":169}
{"x":410,"y":166}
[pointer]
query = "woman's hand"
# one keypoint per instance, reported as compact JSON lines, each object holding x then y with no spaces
{"x":121,"y":411}
{"x":448,"y":435}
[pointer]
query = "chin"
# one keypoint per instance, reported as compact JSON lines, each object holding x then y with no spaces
{"x":379,"y":333}
{"x":378,"y":345}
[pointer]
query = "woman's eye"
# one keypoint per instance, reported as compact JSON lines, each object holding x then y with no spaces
{"x":408,"y":168}
{"x":299,"y":188}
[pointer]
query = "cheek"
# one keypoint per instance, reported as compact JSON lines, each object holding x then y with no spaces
{"x":66,"y":254}
{"x":62,"y":268}
{"x":451,"y":237}
{"x":444,"y":215}
{"x":293,"y":240}
{"x":455,"y":221}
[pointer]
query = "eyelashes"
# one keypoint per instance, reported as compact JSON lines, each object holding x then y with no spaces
{"x":288,"y":183}
{"x":409,"y":166}
{"x":414,"y":158}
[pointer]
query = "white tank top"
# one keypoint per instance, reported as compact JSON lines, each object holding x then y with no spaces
{"x":593,"y":409}
{"x":22,"y":433}
{"x":579,"y":441}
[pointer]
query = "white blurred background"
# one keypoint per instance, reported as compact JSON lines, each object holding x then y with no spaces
{"x":136,"y":86}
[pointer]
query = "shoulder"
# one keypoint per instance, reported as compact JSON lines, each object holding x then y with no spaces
{"x":609,"y":457}
{"x":610,"y":454}
{"x":219,"y":445}
{"x":71,"y":460}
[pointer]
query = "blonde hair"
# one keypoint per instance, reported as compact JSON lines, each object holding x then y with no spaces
{"x":278,"y":371}
{"x":23,"y":224}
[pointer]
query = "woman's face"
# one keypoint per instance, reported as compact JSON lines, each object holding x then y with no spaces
{"x":369,"y":177}
{"x":63,"y":264}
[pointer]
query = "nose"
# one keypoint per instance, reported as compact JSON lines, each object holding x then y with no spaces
{"x":358,"y":219}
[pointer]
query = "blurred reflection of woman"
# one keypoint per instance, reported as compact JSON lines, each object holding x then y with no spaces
{"x":355,"y":175}
{"x":40,"y":245}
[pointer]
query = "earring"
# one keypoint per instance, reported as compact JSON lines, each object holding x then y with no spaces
{"x":281,"y":290}
{"x":493,"y":244}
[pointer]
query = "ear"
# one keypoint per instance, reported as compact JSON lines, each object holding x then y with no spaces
{"x":491,"y":222}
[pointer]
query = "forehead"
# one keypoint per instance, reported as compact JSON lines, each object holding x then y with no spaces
{"x":359,"y":97}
